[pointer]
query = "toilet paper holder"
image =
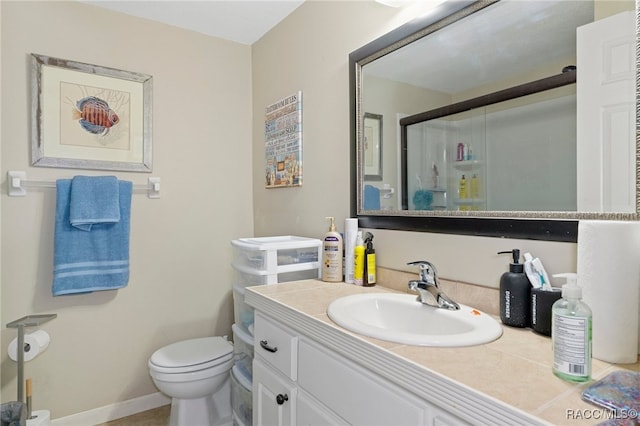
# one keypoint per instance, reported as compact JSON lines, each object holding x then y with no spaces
{"x":21,"y":324}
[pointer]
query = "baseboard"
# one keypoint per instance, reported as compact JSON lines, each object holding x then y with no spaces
{"x":114,"y":411}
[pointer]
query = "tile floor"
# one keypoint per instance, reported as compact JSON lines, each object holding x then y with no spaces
{"x":156,"y":417}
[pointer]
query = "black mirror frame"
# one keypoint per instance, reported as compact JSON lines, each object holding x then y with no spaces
{"x":533,"y":229}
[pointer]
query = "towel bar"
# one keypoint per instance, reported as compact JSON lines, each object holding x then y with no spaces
{"x":17,"y":182}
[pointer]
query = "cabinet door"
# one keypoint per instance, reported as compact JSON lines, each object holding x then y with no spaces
{"x":355,"y":394}
{"x":274,"y":397}
{"x":310,"y":412}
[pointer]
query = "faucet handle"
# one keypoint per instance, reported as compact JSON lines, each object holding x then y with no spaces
{"x":427,"y":270}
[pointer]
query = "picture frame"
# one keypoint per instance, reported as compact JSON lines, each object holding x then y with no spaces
{"x":372,"y":137}
{"x":87,"y":116}
{"x":283,"y":142}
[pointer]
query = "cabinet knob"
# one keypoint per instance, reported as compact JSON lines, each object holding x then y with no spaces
{"x":281,"y":399}
{"x":265,"y":345}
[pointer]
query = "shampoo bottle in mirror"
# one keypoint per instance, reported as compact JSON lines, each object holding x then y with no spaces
{"x":462,"y":193}
{"x":462,"y":188}
{"x":515,"y":294}
{"x":332,"y":254}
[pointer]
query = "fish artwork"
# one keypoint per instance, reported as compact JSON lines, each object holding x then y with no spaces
{"x":95,"y":115}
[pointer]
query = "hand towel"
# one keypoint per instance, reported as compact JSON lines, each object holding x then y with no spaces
{"x":93,"y":200}
{"x":98,"y":259}
{"x":371,"y":198}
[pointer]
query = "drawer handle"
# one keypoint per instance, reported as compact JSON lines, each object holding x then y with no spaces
{"x":281,"y":399}
{"x":266,"y":347}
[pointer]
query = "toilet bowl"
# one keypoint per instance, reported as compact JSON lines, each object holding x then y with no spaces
{"x":195,"y":373}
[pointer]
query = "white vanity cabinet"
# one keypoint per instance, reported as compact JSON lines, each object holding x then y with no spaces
{"x":298,"y":381}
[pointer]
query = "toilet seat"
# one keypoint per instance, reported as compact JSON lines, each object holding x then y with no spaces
{"x":191,"y":355}
{"x":193,"y":376}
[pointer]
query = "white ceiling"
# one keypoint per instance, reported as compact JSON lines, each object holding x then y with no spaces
{"x":504,"y":40}
{"x":242,"y":21}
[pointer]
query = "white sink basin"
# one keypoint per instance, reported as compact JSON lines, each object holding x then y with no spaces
{"x":402,"y":319}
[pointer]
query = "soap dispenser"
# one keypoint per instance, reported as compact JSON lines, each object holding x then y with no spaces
{"x":515,"y":294}
{"x":571,"y":333}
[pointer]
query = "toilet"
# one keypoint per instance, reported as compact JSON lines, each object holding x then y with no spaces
{"x":195,"y":373}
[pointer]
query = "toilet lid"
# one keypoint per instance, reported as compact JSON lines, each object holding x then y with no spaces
{"x":191,"y":352}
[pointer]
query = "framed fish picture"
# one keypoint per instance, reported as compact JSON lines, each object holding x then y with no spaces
{"x":89,"y":117}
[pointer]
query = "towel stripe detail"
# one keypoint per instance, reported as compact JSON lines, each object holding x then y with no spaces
{"x":97,"y":264}
{"x":91,"y":272}
{"x":79,"y":269}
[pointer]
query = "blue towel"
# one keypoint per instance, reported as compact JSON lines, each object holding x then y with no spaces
{"x":98,"y":259}
{"x":371,"y":198}
{"x":93,"y":200}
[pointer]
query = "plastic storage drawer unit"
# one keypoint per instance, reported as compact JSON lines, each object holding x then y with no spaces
{"x":242,"y":313}
{"x":241,"y":398}
{"x":272,"y":256}
{"x":262,"y":261}
{"x":243,"y":351}
{"x":246,"y":277}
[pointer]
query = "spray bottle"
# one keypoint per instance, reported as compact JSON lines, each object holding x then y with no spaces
{"x":369,"y":276}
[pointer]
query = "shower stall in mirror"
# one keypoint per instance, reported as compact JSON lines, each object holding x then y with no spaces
{"x":509,"y":150}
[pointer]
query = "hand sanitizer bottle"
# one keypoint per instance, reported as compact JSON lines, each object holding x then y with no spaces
{"x":571,"y":333}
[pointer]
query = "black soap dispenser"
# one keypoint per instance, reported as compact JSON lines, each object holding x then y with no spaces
{"x":515,"y":294}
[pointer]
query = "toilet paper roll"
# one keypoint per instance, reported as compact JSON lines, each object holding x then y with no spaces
{"x":609,"y":273}
{"x":34,"y":344}
{"x":39,"y":418}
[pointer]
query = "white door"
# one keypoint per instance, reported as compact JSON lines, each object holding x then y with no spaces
{"x":606,"y":113}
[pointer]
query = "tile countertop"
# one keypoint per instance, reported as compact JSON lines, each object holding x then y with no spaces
{"x":509,"y":378}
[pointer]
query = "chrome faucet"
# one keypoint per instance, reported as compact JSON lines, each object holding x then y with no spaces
{"x":428,"y":288}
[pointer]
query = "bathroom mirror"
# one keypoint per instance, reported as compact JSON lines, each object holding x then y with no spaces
{"x":467,"y":50}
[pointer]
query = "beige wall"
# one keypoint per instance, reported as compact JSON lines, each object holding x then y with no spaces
{"x":309,"y":52}
{"x":209,"y":100}
{"x":180,"y":283}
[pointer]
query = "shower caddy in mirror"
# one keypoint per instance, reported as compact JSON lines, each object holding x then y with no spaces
{"x":443,"y":151}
